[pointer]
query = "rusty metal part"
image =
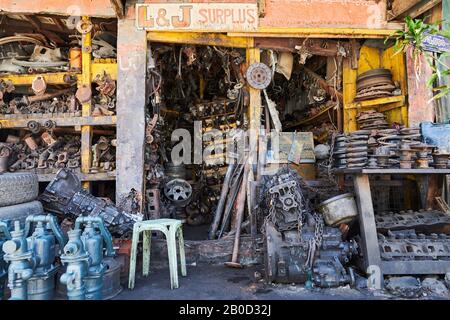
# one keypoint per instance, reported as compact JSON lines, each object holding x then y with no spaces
{"x":30,"y":143}
{"x":39,"y":85}
{"x":84,"y":26}
{"x":33,"y":126}
{"x":259,"y":76}
{"x":422,"y":220}
{"x":153,"y":203}
{"x":372,"y":78}
{"x":48,"y":138}
{"x":409,"y":246}
{"x":84,"y":94}
{"x":149,"y":129}
{"x":440,"y":160}
{"x":47,"y":96}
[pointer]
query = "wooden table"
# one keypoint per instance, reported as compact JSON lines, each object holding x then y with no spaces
{"x":369,"y":243}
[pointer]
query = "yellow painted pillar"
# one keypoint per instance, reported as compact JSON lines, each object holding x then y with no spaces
{"x":86,"y":131}
{"x":254,"y":110}
{"x":349,"y":84}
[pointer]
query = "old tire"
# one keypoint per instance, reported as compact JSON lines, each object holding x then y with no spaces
{"x":16,"y":188}
{"x":21,"y":211}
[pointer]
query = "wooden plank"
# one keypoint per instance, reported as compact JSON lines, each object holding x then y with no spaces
{"x":375,"y":102}
{"x":255,"y":109}
{"x":349,"y":93}
{"x":119,"y":8}
{"x":209,"y":39}
{"x":370,"y":248}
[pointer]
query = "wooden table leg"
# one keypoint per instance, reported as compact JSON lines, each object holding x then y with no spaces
{"x":370,"y":248}
{"x":429,"y":188}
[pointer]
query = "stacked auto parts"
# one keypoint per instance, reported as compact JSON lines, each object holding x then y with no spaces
{"x":45,"y":152}
{"x":376,"y":83}
{"x":351,"y":151}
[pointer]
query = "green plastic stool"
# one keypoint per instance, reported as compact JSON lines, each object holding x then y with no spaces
{"x":172,"y":230}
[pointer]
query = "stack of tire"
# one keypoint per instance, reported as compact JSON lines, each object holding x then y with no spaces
{"x":18,"y":193}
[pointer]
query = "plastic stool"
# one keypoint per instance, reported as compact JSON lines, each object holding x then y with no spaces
{"x":172,"y":230}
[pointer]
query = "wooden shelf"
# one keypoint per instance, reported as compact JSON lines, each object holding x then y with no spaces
{"x":61,"y":120}
{"x":100,"y":176}
{"x":376,"y":102}
{"x":62,"y":78}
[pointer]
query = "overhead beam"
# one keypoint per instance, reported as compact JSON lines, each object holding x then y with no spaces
{"x":209,"y":39}
{"x":97,"y":8}
{"x":321,"y":47}
{"x":118,"y":7}
{"x":413,"y":8}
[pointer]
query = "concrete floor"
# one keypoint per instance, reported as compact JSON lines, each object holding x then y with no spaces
{"x":222,"y":283}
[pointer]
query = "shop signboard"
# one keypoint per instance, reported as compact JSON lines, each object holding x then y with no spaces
{"x":224,"y":17}
{"x":436,"y":43}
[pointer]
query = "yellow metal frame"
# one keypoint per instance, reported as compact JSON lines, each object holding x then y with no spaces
{"x":58,"y":78}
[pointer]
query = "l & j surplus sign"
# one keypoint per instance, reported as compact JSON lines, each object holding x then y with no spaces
{"x":197,"y":16}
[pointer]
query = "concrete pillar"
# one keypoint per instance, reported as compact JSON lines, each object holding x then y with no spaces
{"x":131,"y":59}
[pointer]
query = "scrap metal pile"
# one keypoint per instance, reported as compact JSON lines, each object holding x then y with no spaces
{"x":376,"y":83}
{"x":47,"y":152}
{"x":203,"y":85}
{"x":298,"y":246}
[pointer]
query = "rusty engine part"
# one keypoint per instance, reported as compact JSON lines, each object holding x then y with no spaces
{"x":407,"y":245}
{"x":298,"y":247}
{"x":351,"y":151}
{"x":43,"y":59}
{"x":371,"y":119}
{"x":422,"y":221}
{"x":46,"y":153}
{"x":103,"y":155}
{"x":65,"y":197}
{"x":61,"y":101}
{"x":105,"y":101}
{"x":376,"y":83}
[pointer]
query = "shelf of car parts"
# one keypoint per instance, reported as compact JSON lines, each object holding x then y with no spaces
{"x":98,"y":176}
{"x":98,"y":67}
{"x":59,"y":120}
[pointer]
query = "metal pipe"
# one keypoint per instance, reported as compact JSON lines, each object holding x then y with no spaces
{"x":47,"y":96}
